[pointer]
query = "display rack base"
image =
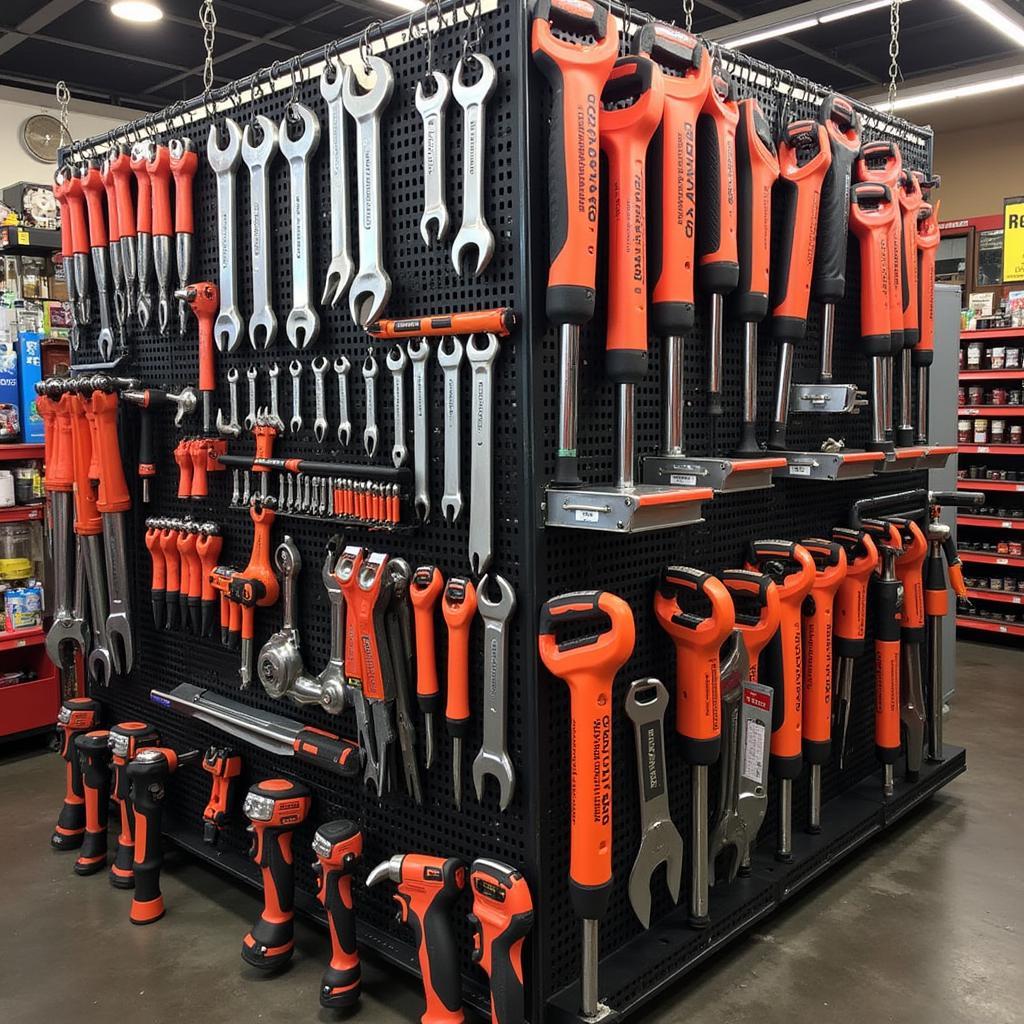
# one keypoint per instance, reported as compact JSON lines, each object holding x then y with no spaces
{"x":847,"y":823}
{"x":631,"y":510}
{"x":829,"y":466}
{"x":722,"y":475}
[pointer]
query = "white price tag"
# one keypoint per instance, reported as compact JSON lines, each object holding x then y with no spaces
{"x":753,"y":753}
{"x":683,"y":480}
{"x":1002,"y":561}
{"x":799,"y":470}
{"x":585,"y":515}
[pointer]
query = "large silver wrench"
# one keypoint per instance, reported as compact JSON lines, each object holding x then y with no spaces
{"x":295,"y":370}
{"x":339,"y":273}
{"x":396,"y":362}
{"x":319,"y":367}
{"x":370,"y":433}
{"x":431,"y":106}
{"x":371,"y":288}
{"x":119,"y":584}
{"x":232,"y":428}
{"x":101,"y":664}
{"x":474,"y":232}
{"x":67,"y":625}
{"x":481,"y":463}
{"x":419,"y":356}
{"x":660,"y":841}
{"x":334,"y":692}
{"x":227,"y":328}
{"x":250,"y":378}
{"x":493,"y":758}
{"x":341,"y":370}
{"x":258,"y":158}
{"x":449,"y":361}
{"x":303,"y":323}
{"x":274,"y":374}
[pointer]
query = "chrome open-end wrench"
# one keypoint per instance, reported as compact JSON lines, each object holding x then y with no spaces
{"x":396,"y":362}
{"x":493,"y":758}
{"x":274,"y":374}
{"x":370,"y":432}
{"x":232,"y":427}
{"x":371,"y":287}
{"x":227,"y":329}
{"x":419,"y":356}
{"x":319,"y":367}
{"x":481,"y":464}
{"x":431,"y":106}
{"x":339,"y":273}
{"x":660,"y":841}
{"x":295,"y":370}
{"x":449,"y":359}
{"x":67,"y":627}
{"x":250,"y":378}
{"x":341,"y":370}
{"x":303,"y":323}
{"x":258,"y":158}
{"x":474,"y":233}
{"x":100,"y":663}
{"x":334,"y":692}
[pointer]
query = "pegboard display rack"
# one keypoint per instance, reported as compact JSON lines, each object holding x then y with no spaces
{"x":532,"y":832}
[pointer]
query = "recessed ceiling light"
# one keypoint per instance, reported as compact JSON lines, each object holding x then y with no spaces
{"x":140,"y":11}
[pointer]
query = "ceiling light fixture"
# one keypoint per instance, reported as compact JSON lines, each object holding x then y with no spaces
{"x":956,"y":92}
{"x":771,"y":33}
{"x":405,"y":5}
{"x":796,"y":23}
{"x":849,"y":12}
{"x":999,"y":16}
{"x":142,"y":12}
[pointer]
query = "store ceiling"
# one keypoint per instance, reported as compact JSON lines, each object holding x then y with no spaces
{"x":148,"y":66}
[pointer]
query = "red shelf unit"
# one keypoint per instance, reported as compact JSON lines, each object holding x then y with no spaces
{"x":1011,"y":486}
{"x":995,"y":595}
{"x":991,"y":449}
{"x":1006,"y":628}
{"x":998,"y":411}
{"x":984,"y":558}
{"x":992,"y":375}
{"x":21,"y":513}
{"x":995,"y":334}
{"x":13,"y":452}
{"x":994,"y":522}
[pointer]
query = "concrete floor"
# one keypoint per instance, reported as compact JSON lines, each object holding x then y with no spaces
{"x":924,"y":926}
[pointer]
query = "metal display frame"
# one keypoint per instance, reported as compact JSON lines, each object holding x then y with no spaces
{"x":533,"y":832}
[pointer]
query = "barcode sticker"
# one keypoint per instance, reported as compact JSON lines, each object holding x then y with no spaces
{"x":799,"y":470}
{"x":753,"y":753}
{"x":586,"y":515}
{"x":683,"y":480}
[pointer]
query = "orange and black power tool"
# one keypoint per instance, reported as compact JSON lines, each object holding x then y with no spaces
{"x":338,"y":845}
{"x":501,"y":919}
{"x":148,"y":774}
{"x":427,"y":890}
{"x":275,"y":808}
{"x":125,"y":741}
{"x":77,"y":716}
{"x":224,"y":765}
{"x":94,"y":759}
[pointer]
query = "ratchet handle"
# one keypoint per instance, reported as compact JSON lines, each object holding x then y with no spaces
{"x":426,"y":587}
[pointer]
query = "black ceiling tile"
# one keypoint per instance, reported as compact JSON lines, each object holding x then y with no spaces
{"x":38,"y":60}
{"x":14,"y":12}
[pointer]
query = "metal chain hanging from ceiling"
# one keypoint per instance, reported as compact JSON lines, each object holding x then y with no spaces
{"x":63,"y":99}
{"x":688,"y":15}
{"x":208,"y":19}
{"x":894,"y":52}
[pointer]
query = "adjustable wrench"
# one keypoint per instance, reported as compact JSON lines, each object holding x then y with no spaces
{"x":232,"y":428}
{"x":396,"y":362}
{"x":419,"y":355}
{"x":295,"y":369}
{"x":274,"y":373}
{"x":370,"y":433}
{"x":303,"y":323}
{"x":473,"y":100}
{"x":341,"y":369}
{"x":334,"y":694}
{"x":481,"y":465}
{"x":250,"y":376}
{"x":227,"y":330}
{"x":449,"y":361}
{"x":493,"y":757}
{"x":432,"y":110}
{"x":258,"y":158}
{"x":660,"y":841}
{"x":319,"y":367}
{"x":371,"y":288}
{"x":339,"y":273}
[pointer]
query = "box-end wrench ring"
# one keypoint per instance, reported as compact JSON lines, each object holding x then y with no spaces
{"x":295,"y":369}
{"x":319,"y":366}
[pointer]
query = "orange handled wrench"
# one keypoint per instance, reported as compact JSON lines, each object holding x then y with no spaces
{"x":424,"y":590}
{"x":910,"y":573}
{"x":576,"y":73}
{"x":204,"y":300}
{"x":172,"y":564}
{"x":208,"y":547}
{"x":61,"y":180}
{"x":756,"y":630}
{"x":114,"y":243}
{"x":257,"y":586}
{"x":910,"y":200}
{"x":121,"y":171}
{"x":673,"y":192}
{"x":459,"y":609}
{"x":927,"y":245}
{"x":588,"y":665}
{"x":75,"y":196}
{"x":143,"y":232}
{"x":159,"y":166}
{"x":804,"y":158}
{"x":184,"y":163}
{"x":158,"y":584}
{"x":92,"y":188}
{"x":698,"y":640}
{"x":818,"y":618}
{"x":792,"y":568}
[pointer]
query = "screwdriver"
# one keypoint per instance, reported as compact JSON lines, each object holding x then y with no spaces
{"x":77,"y":716}
{"x":576,"y":73}
{"x":910,"y":201}
{"x":757,"y":170}
{"x":718,"y":269}
{"x":338,"y":845}
{"x":842,"y":125}
{"x":625,"y":134}
{"x":94,"y":757}
{"x":871,"y":206}
{"x":588,"y":665}
{"x":924,"y":351}
{"x":830,"y":571}
{"x":698,"y":640}
{"x":792,"y":569}
{"x":850,"y":614}
{"x":672,"y":203}
{"x":425,"y":589}
{"x":459,"y":609}
{"x":804,"y":159}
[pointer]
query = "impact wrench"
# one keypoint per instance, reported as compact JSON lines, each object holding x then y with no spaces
{"x":338,"y":845}
{"x":588,"y":665}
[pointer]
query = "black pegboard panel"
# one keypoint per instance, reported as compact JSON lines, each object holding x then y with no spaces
{"x":533,"y":832}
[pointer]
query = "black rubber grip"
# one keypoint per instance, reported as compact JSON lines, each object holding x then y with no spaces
{"x":829,"y":281}
{"x":338,"y":755}
{"x":340,"y":985}
{"x":146,"y":438}
{"x":272,"y":942}
{"x":590,"y":901}
{"x":885,"y":601}
{"x":435,"y":933}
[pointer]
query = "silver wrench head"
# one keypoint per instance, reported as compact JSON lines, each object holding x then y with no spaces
{"x":435,"y":220}
{"x":366,"y":104}
{"x":224,"y":160}
{"x":66,"y":630}
{"x":295,"y":371}
{"x":370,"y":433}
{"x":119,"y":639}
{"x":341,"y":369}
{"x":101,"y":667}
{"x":259,"y":154}
{"x":319,"y":366}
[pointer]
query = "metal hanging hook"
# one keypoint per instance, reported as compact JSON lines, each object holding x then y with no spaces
{"x":293,"y":96}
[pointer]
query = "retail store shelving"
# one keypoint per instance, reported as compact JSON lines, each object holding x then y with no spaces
{"x":1006,"y":628}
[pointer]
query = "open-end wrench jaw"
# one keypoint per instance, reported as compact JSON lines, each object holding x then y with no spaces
{"x":341,"y":269}
{"x":370,"y":433}
{"x":341,"y":369}
{"x":257,"y":158}
{"x":227,"y":328}
{"x":449,"y":358}
{"x":435,"y":220}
